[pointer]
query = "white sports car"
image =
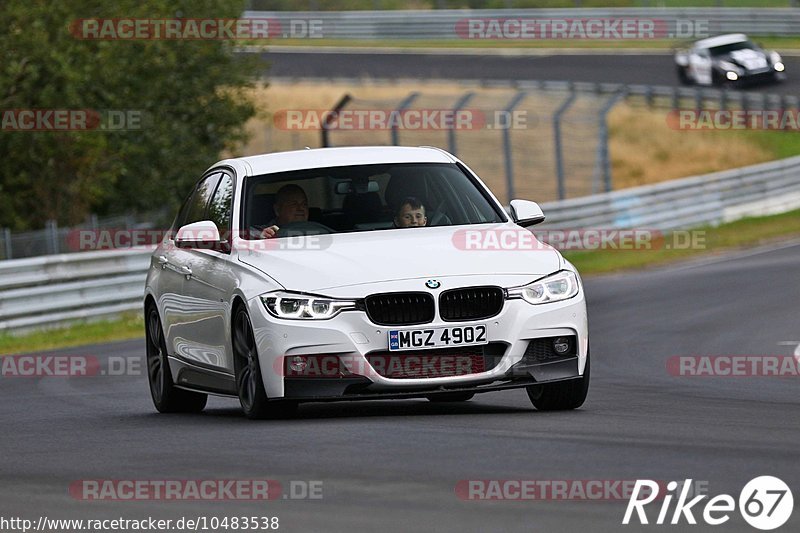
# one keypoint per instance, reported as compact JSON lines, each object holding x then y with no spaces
{"x":728,"y":60}
{"x":358,"y":273}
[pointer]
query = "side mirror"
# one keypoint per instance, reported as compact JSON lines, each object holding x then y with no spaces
{"x":201,"y":235}
{"x":526,"y":213}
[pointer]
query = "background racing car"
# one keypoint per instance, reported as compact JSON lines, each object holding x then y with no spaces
{"x":728,"y":60}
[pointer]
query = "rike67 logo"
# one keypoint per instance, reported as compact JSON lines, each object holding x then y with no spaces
{"x":765,"y":503}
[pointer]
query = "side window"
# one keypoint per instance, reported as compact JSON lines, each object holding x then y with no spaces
{"x":181,"y":216}
{"x":219,"y":210}
{"x":196,"y":209}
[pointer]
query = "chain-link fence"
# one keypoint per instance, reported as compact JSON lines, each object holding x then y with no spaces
{"x":542,"y":140}
{"x":520,"y":142}
{"x":95,"y":233}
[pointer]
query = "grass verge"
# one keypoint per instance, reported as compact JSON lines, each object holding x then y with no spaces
{"x":128,"y":326}
{"x":645,"y":149}
{"x":768,"y":42}
{"x":739,"y":234}
{"x":711,"y":241}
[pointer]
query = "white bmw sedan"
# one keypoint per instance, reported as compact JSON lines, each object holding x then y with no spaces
{"x":358,"y":273}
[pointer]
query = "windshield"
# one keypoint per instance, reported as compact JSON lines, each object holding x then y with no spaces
{"x":364,"y":198}
{"x":728,"y":48}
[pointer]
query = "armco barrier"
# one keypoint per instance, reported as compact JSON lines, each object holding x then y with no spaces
{"x":756,"y":190}
{"x":55,"y":289}
{"x":442,"y":23}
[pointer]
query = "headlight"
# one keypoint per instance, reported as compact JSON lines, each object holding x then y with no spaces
{"x":778,"y":66}
{"x":301,"y":306}
{"x":555,"y":287}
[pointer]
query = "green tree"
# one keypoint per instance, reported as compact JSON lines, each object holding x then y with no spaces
{"x":190,"y":93}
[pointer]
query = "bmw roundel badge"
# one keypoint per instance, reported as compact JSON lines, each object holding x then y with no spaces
{"x":433,"y":284}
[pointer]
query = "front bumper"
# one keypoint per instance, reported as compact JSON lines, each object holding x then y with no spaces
{"x":352,"y":338}
{"x":757,"y":77}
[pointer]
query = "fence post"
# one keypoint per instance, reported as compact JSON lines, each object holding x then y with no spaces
{"x":603,"y":160}
{"x":565,"y":105}
{"x":331,"y":117}
{"x":675,"y":99}
{"x":451,"y":131}
{"x":7,"y":243}
{"x":509,"y":163}
{"x":405,"y":104}
{"x":51,"y":227}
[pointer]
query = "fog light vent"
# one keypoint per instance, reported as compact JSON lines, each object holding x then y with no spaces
{"x":561,"y":345}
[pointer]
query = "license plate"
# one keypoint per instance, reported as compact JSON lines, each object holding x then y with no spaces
{"x":423,"y":339}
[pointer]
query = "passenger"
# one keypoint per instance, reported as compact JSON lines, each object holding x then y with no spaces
{"x":410,"y":214}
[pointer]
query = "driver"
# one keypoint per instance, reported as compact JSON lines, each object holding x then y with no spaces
{"x":291,"y":205}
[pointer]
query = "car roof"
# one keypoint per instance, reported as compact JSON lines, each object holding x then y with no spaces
{"x":721,"y":40}
{"x":339,"y":157}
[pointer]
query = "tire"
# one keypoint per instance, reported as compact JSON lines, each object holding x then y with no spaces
{"x":166,"y":397}
{"x":683,"y":77}
{"x":249,"y":383}
{"x":451,"y":397}
{"x":562,"y":395}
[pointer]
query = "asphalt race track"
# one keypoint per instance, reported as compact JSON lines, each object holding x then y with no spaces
{"x":649,"y":69}
{"x":393,"y":465}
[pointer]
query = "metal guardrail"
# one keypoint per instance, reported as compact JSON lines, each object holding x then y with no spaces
{"x":711,"y":199}
{"x":55,"y":289}
{"x":445,"y":24}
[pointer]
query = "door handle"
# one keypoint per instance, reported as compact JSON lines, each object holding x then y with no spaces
{"x":186,"y":271}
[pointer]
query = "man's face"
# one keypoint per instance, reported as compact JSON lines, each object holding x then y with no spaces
{"x":408,"y":217}
{"x":293,"y":208}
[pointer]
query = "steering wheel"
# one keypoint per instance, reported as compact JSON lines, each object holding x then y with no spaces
{"x":297,"y":229}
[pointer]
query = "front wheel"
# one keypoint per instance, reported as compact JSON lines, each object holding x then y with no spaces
{"x":166,"y":397}
{"x":562,"y":395}
{"x":249,"y":383}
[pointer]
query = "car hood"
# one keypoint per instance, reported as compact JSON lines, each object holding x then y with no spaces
{"x":318,"y":263}
{"x":747,"y":59}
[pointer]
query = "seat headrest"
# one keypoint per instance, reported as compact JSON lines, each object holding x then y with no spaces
{"x":405,"y":183}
